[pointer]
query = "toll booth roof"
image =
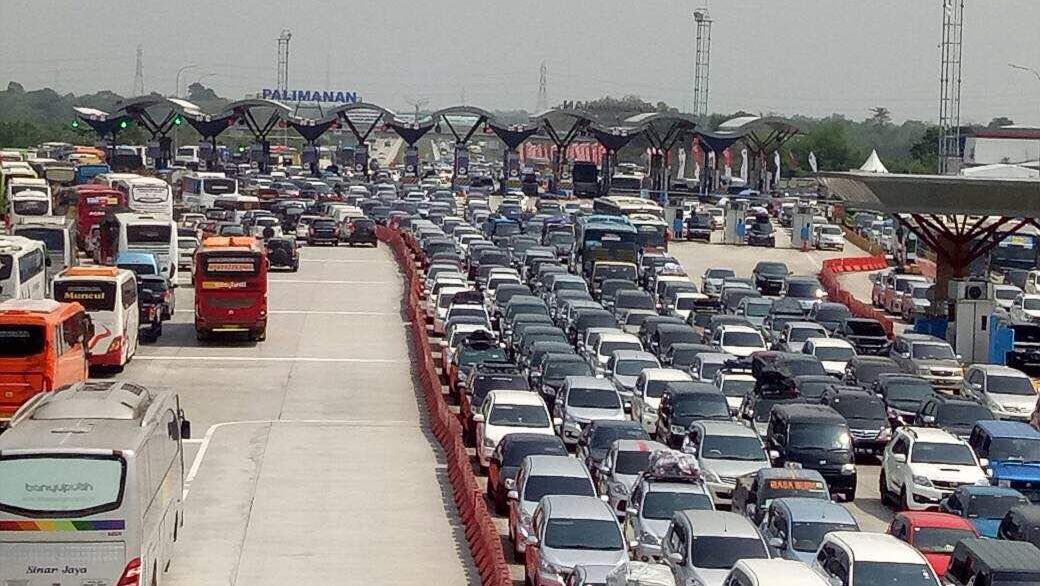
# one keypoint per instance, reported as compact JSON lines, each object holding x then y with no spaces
{"x":936,"y":194}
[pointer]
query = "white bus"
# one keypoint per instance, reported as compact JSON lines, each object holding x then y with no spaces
{"x":23,"y":264}
{"x":109,"y":295}
{"x":623,"y":205}
{"x":146,"y":233}
{"x":112,"y":179}
{"x":187,"y":155}
{"x":57,"y":238}
{"x":92,"y":486}
{"x":240,"y":204}
{"x":28,"y":205}
{"x":148,"y":195}
{"x":200,"y":190}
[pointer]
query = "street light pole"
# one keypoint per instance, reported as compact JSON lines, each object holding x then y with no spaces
{"x":177,"y":84}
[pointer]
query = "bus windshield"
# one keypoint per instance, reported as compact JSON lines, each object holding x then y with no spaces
{"x":148,"y":234}
{"x":6,"y":262}
{"x":21,"y":340}
{"x":218,"y":186}
{"x":92,"y":295}
{"x":54,"y":240}
{"x":61,"y":485}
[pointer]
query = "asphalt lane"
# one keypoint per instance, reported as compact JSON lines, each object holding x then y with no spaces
{"x":311,"y":462}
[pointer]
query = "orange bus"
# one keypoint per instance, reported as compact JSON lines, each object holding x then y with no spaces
{"x":231,"y":287}
{"x":43,"y":346}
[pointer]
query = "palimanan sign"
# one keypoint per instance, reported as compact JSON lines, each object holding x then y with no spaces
{"x":328,"y":96}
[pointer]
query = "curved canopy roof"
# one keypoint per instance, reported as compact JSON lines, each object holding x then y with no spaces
{"x":144,"y":102}
{"x":936,"y":194}
{"x":257,"y":103}
{"x":462,"y":111}
{"x":363,"y":106}
{"x":751,"y":124}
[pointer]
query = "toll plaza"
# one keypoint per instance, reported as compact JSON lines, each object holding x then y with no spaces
{"x":562,"y":127}
{"x":209,"y":128}
{"x":260,"y":117}
{"x":461,"y":116}
{"x":612,"y":139}
{"x":156,"y":114}
{"x":763,"y":136}
{"x":361,"y":118}
{"x":512,"y":136}
{"x":663,"y":131}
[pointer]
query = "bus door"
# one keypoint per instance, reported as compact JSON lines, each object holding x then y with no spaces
{"x":56,"y":238}
{"x":91,"y":206}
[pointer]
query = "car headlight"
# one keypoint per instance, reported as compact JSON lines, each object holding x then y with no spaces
{"x":489,"y":443}
{"x":547,"y":567}
{"x":921,"y":480}
{"x":677,"y":429}
{"x":649,"y":538}
{"x":1004,"y":483}
{"x":884,"y":435}
{"x":820,"y":293}
{"x":848,"y":468}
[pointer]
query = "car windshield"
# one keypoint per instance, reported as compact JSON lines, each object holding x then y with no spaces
{"x":633,"y":367}
{"x":469,"y":356}
{"x":933,"y":351}
{"x":608,"y":348}
{"x":593,"y":398}
{"x":560,"y":369}
{"x":826,"y":437}
{"x":1010,"y":385}
{"x":1031,"y":303}
{"x":661,"y":505}
{"x":737,"y":387}
{"x":758,"y":308}
{"x":701,"y":406}
{"x":632,"y":463}
{"x":832,"y":314}
{"x":860,"y":407}
{"x":630,"y":301}
{"x":834,"y":353}
{"x":762,"y":228}
{"x":605,"y":436}
{"x":807,"y":536}
{"x":764,"y":405}
{"x":936,"y":453}
{"x":922,"y":293}
{"x":963,"y":414}
{"x":803,"y":334}
{"x":539,"y":486}
{"x":992,"y":506}
{"x":773,"y":269}
{"x":908,"y":391}
{"x":804,"y":290}
{"x":939,"y":539}
{"x":742,"y":339}
{"x":583,"y":534}
{"x":722,"y":553}
{"x":721,"y":273}
{"x":813,"y":389}
{"x":867,"y":372}
{"x":709,"y":369}
{"x":519,"y":416}
{"x":889,"y":573}
{"x":515,"y":452}
{"x":1011,"y":448}
{"x":732,"y":447}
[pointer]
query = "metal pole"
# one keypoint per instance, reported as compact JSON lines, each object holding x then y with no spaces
{"x":177,"y":86}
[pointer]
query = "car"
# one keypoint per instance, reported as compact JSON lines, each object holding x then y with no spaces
{"x":626,"y":459}
{"x":849,"y":557}
{"x":1022,"y":523}
{"x":863,"y":371}
{"x":646,"y":397}
{"x":701,"y":547}
{"x":956,"y":415}
{"x":866,"y":335}
{"x":712,"y":279}
{"x":794,"y":526}
{"x":623,"y":369}
{"x":896,"y":295}
{"x":815,"y":437}
{"x":865,"y":414}
{"x":761,"y":233}
{"x":929,"y":357}
{"x":555,"y":370}
{"x":1011,"y":450}
{"x":988,"y":561}
{"x":322,"y":231}
{"x":735,"y":384}
{"x":599,"y":436}
{"x":283,"y":252}
{"x":606,"y":345}
{"x":769,"y":276}
{"x":738,"y":340}
{"x":833,"y":353}
{"x":828,"y":237}
{"x":1025,"y":307}
{"x":983,"y":506}
{"x":812,"y":386}
{"x":754,"y":492}
{"x":698,"y":226}
{"x":806,"y":291}
{"x":568,"y":531}
{"x":933,"y":534}
{"x":707,"y":364}
{"x":754,"y":309}
{"x":793,"y":335}
{"x":653,"y":503}
{"x":584,"y":399}
{"x":903,"y":394}
{"x":509,"y":412}
{"x":829,"y":314}
{"x":1008,"y":392}
{"x":917,"y":301}
{"x":922,"y":466}
{"x":684,"y":403}
{"x":506,"y":460}
{"x":773,"y":572}
{"x":754,"y":412}
{"x":541,"y":476}
{"x":725,"y":451}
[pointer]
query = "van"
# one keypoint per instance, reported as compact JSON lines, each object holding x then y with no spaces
{"x":773,"y":573}
{"x":848,"y":557}
{"x":115,"y":449}
{"x":985,"y":562}
{"x":44,"y":347}
{"x":816,"y":437}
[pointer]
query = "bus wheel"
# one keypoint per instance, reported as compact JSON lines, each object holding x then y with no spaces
{"x":259,"y":335}
{"x":201,"y":335}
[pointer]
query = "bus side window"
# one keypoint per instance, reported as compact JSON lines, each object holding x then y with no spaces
{"x":61,"y":343}
{"x":129,"y":293}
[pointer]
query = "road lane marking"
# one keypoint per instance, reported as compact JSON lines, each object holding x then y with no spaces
{"x":205,"y":441}
{"x":272,"y":359}
{"x":315,"y":312}
{"x":330,"y":282}
{"x":359,"y":260}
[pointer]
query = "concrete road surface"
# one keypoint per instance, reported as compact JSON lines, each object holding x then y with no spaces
{"x":311,"y":462}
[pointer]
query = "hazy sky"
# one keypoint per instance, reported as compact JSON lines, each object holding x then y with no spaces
{"x":790,"y":56}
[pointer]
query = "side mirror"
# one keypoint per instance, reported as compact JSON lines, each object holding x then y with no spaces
{"x":631,"y":511}
{"x":478,"y":418}
{"x":774,"y":454}
{"x":901,"y":458}
{"x":984,"y":462}
{"x":752,"y":508}
{"x":185,"y":427}
{"x":604,"y":498}
{"x":675,"y":558}
{"x":513,"y":495}
{"x":928,"y":419}
{"x":509,"y":483}
{"x":557,"y":421}
{"x":776,"y":543}
{"x":532,"y":541}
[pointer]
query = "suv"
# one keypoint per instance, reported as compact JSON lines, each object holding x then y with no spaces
{"x":725,"y":451}
{"x":567,"y":530}
{"x":701,"y":546}
{"x":903,"y":394}
{"x":922,"y":466}
{"x":929,"y":357}
{"x":769,"y":276}
{"x":1010,"y":451}
{"x":625,"y":461}
{"x":1021,"y":523}
{"x":863,"y":371}
{"x":1007,"y":392}
{"x":980,"y":562}
{"x":866,"y":335}
{"x":650,"y":510}
{"x":755,"y":491}
{"x":847,"y":557}
{"x":584,"y":399}
{"x":540,"y":476}
{"x":953,"y":414}
{"x":817,"y":438}
{"x":866,"y":416}
{"x":686,"y":402}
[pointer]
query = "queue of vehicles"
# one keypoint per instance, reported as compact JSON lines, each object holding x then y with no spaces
{"x":743,"y":376}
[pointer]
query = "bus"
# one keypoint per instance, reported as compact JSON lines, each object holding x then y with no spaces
{"x":57,"y":239}
{"x":9,"y":171}
{"x":126,"y":232}
{"x":1015,"y":255}
{"x":200,"y":190}
{"x":28,"y":205}
{"x":92,"y":486}
{"x":43,"y":346}
{"x":231,"y":287}
{"x":653,"y":232}
{"x":23,"y":268}
{"x":92,"y":202}
{"x":148,"y":195}
{"x":604,"y":238}
{"x":239,"y":204}
{"x":86,"y":172}
{"x":621,"y":205}
{"x":109,"y":295}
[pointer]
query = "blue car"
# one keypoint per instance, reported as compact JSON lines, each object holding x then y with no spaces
{"x":795,"y":526}
{"x":141,"y":263}
{"x":1012,"y":453}
{"x":983,"y":506}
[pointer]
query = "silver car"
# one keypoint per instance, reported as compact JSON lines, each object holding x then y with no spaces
{"x":582,"y":400}
{"x":540,"y":476}
{"x":701,"y":547}
{"x":650,"y":511}
{"x":725,"y":450}
{"x":569,"y":531}
{"x":626,"y":460}
{"x":624,"y":367}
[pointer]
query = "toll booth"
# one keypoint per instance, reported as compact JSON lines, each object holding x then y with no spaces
{"x":733,"y":229}
{"x":973,"y":317}
{"x":801,"y":227}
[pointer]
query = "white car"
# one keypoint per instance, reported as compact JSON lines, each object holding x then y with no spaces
{"x":795,"y":333}
{"x":686,"y":303}
{"x":606,"y":345}
{"x":1025,"y":307}
{"x":739,"y":341}
{"x":833,"y":353}
{"x":921,"y":466}
{"x":853,"y":557}
{"x":646,"y":398}
{"x":505,"y":412}
{"x":1008,"y":393}
{"x":828,"y":236}
{"x":735,"y":385}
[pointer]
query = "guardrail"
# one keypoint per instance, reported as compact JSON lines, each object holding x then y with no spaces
{"x":829,"y":279}
{"x":481,"y":533}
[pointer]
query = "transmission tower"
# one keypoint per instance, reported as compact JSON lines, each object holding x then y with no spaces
{"x":950,"y":87}
{"x":139,"y":74}
{"x":283,"y":61}
{"x":543,"y":89}
{"x":702,"y":62}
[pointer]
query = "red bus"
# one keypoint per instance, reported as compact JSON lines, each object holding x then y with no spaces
{"x":92,"y":201}
{"x":231,"y":287}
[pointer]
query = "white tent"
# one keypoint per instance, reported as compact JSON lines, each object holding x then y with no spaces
{"x":873,"y":164}
{"x":1000,"y":171}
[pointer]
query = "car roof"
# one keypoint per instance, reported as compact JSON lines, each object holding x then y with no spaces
{"x":588,"y":382}
{"x":812,"y":510}
{"x":618,"y":336}
{"x":575,"y":507}
{"x":726,"y":428}
{"x":809,"y":412}
{"x":515,"y":397}
{"x":715,"y":357}
{"x":719,"y":523}
{"x":789,"y":473}
{"x":935,"y":519}
{"x":932,"y":435}
{"x":780,"y":571}
{"x":1003,"y":555}
{"x":1009,"y":429}
{"x":999,"y":369}
{"x":987,"y":490}
{"x":873,"y":360}
{"x":829,"y":343}
{"x":529,"y":438}
{"x":633,"y":355}
{"x":638,"y":445}
{"x":921,"y":338}
{"x":545,"y":465}
{"x":665,"y":374}
{"x":877,"y":547}
{"x":736,"y":328}
{"x":804,"y":324}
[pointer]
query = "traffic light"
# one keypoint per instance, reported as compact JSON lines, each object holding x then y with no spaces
{"x":123,"y":124}
{"x":75,"y":123}
{"x":178,"y":120}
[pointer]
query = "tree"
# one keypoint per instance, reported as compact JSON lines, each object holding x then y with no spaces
{"x":882,"y":116}
{"x":1000,"y":121}
{"x":925,"y":151}
{"x":828,"y":140}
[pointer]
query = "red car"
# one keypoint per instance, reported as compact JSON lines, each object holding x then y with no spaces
{"x":932,"y":534}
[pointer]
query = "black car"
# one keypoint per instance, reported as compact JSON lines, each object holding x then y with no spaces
{"x":150,"y":304}
{"x":903,"y":394}
{"x":812,"y":386}
{"x":761,"y":234}
{"x":361,"y":231}
{"x":506,"y":459}
{"x":865,"y":414}
{"x":595,"y":441}
{"x":815,"y":437}
{"x":981,"y":562}
{"x":683,"y":403}
{"x":770,"y":276}
{"x":283,"y":252}
{"x":829,"y":314}
{"x":698,"y":227}
{"x":956,"y":415}
{"x":866,"y":335}
{"x":323,"y":231}
{"x":862,"y":371}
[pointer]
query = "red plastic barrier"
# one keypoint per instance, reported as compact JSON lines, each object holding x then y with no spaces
{"x":855,"y":264}
{"x":481,"y":533}
{"x":858,"y":308}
